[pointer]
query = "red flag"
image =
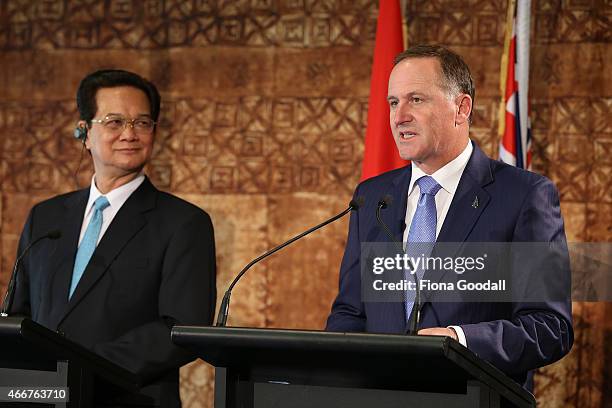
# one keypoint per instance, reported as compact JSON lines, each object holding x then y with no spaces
{"x":380,"y":153}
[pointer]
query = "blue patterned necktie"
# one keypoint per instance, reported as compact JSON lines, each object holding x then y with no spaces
{"x":88,"y":243}
{"x":422,"y":230}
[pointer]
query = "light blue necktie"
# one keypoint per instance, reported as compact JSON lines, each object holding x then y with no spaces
{"x":422,"y":230}
{"x":88,"y":243}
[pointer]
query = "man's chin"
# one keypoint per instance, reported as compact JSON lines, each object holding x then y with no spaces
{"x":406,"y":155}
{"x":129,"y":169}
{"x":405,"y":152}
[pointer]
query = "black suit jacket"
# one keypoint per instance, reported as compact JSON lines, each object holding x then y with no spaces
{"x":154,"y":267}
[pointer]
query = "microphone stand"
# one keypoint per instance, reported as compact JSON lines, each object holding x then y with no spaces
{"x":224,"y":308}
{"x":415,"y":316}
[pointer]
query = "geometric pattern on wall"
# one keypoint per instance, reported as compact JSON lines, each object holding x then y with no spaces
{"x":153,"y":24}
{"x":262,"y":124}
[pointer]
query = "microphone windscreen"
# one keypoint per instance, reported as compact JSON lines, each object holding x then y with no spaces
{"x":385,"y":202}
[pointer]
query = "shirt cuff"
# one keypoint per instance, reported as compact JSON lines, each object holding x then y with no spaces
{"x":460,"y":335}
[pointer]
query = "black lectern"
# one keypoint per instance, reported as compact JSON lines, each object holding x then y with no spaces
{"x":33,"y":357}
{"x":265,"y":368}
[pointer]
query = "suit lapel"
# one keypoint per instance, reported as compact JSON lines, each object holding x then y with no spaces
{"x":62,"y":263}
{"x":470,"y":199}
{"x":468,"y":203}
{"x":399,"y":192}
{"x":128,"y":221}
{"x":394,"y":217}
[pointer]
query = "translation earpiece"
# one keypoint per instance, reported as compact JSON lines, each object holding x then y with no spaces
{"x":80,"y":133}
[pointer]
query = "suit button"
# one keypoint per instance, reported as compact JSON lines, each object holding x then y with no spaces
{"x":61,"y":333}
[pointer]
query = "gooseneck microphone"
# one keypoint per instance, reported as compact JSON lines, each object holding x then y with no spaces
{"x":415,"y":317}
{"x":354,"y":205}
{"x":10,"y":291}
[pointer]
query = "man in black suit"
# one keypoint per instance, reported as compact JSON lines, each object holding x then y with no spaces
{"x":131,"y":261}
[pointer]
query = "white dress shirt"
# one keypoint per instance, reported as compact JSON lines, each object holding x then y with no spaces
{"x":448,"y":178}
{"x":116,"y":199}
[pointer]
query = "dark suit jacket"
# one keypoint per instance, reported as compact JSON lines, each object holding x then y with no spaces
{"x":154,"y":267}
{"x":514,"y":206}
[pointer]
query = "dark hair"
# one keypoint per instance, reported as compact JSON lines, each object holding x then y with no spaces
{"x":455,"y":72}
{"x":111,"y":78}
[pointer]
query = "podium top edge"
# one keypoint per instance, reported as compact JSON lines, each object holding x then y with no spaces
{"x":191,"y":335}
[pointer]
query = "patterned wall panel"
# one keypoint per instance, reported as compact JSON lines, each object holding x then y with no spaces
{"x":263,"y":118}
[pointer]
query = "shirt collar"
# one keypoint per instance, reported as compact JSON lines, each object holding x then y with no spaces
{"x":447,"y":176}
{"x":116,"y":197}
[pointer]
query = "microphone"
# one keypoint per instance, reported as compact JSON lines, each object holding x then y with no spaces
{"x":415,"y":317}
{"x":10,"y":291}
{"x":385,"y":202}
{"x":354,"y":205}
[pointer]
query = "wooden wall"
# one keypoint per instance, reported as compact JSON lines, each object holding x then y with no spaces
{"x":263,"y":118}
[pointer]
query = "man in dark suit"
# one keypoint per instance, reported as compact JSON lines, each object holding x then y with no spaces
{"x":471,"y":198}
{"x":131,"y":261}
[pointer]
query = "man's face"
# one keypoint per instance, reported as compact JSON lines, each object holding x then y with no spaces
{"x":422,"y":115}
{"x":119,"y":154}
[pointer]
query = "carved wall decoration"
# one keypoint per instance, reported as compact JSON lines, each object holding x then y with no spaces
{"x":263,"y":117}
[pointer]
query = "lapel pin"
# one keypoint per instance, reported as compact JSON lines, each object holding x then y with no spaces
{"x":475,"y":203}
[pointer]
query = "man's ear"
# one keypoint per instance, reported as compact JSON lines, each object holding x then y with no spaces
{"x":464,"y":108}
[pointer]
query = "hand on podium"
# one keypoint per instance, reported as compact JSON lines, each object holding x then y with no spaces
{"x":439,"y":331}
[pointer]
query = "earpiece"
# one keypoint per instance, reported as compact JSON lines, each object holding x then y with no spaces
{"x":80,"y":133}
